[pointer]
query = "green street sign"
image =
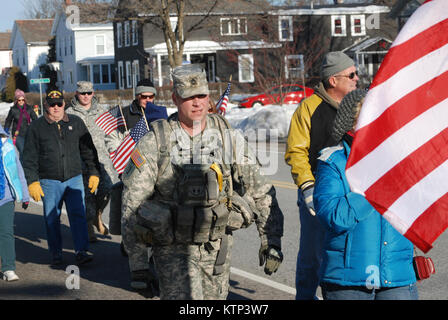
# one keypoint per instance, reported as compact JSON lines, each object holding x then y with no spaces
{"x":40,"y":80}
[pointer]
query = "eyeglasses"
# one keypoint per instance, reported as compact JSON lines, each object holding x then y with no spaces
{"x":20,"y":100}
{"x":350,"y":76}
{"x":143,"y":97}
{"x":84,"y":93}
{"x":56,"y":105}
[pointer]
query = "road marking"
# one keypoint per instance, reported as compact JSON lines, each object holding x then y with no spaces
{"x":267,"y":282}
{"x":283,"y":184}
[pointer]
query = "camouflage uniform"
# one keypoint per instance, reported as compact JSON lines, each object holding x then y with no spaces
{"x":185,"y":270}
{"x":108,"y":175}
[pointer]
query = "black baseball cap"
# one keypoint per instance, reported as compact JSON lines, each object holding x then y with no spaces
{"x":54,"y":96}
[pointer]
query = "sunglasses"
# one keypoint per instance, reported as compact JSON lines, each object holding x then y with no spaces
{"x":84,"y":93}
{"x":143,"y":97}
{"x":20,"y":100}
{"x":56,"y":105}
{"x":350,"y":76}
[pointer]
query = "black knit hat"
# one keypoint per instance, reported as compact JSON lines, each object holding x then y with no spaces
{"x":345,"y":117}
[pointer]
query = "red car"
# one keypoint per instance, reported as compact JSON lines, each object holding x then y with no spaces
{"x":292,"y":93}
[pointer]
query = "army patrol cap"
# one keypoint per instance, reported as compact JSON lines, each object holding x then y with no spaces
{"x":189,"y":80}
{"x":84,"y":86}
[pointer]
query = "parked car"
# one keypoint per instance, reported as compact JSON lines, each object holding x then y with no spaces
{"x":292,"y":93}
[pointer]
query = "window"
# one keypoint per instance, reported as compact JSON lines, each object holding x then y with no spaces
{"x":246,"y":68}
{"x":112,"y":73}
{"x":338,"y":26}
{"x":127,"y":35}
{"x":120,"y":75}
{"x":71,"y":45}
{"x":136,"y":71}
{"x":285,"y":29}
{"x":119,"y":35}
{"x":104,"y":73}
{"x":23,"y":57}
{"x":128,"y":74}
{"x":65,"y":46}
{"x":233,"y":26}
{"x":96,"y":73}
{"x":294,"y":66}
{"x":70,"y":77}
{"x":100,"y":41}
{"x":134,"y":33}
{"x":358,"y":25}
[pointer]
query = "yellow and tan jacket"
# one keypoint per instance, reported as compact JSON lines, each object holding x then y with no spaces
{"x":309,"y":133}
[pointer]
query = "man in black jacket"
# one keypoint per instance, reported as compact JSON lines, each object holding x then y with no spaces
{"x":56,"y":144}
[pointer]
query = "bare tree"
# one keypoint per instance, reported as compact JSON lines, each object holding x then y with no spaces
{"x":41,"y":9}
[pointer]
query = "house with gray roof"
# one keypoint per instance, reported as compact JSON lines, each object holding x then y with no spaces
{"x":29,"y":45}
{"x":84,"y":48}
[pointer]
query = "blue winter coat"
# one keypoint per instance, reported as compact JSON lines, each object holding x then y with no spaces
{"x":361,"y":248}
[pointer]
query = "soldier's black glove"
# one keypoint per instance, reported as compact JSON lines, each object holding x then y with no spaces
{"x":25,"y":205}
{"x":272,"y":256}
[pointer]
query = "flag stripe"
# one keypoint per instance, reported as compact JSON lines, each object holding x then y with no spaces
{"x":402,"y":83}
{"x":415,"y":48}
{"x":430,"y":224}
{"x":410,"y":171}
{"x":422,"y":195}
{"x":123,"y":151}
{"x":397,"y":147}
{"x":403,"y":111}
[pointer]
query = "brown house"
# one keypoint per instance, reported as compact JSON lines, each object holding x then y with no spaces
{"x":257,"y":46}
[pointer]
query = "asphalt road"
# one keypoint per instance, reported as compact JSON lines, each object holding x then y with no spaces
{"x":107,"y":277}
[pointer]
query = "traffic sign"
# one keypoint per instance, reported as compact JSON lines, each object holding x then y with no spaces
{"x":40,"y":80}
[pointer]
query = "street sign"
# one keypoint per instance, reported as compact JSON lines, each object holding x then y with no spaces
{"x":41,"y":80}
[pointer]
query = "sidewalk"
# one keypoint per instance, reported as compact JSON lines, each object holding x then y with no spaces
{"x":105,"y":278}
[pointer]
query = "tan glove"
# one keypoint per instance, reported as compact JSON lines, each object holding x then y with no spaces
{"x":272,"y":256}
{"x":94,"y":181}
{"x":36,"y":191}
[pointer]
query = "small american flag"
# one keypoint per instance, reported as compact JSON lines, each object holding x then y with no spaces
{"x":120,"y":157}
{"x":110,"y":120}
{"x":221,"y":106}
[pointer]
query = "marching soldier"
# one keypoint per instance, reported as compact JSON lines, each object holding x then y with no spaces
{"x":192,"y":181}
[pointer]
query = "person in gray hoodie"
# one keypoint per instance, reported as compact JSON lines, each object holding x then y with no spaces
{"x":13,"y":187}
{"x":85,"y":105}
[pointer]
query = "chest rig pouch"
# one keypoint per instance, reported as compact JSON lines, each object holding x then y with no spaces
{"x":202,"y":213}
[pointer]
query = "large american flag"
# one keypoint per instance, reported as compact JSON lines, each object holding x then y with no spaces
{"x":399,"y":157}
{"x":110,"y":120}
{"x":120,"y":157}
{"x":221,"y":106}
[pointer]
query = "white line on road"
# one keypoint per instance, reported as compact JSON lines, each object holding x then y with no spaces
{"x":262,"y":280}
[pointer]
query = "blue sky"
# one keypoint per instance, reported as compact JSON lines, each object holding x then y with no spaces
{"x":10,"y":10}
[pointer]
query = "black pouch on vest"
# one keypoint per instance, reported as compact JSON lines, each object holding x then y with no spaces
{"x":183,"y":232}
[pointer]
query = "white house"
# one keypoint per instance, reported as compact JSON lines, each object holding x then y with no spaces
{"x":5,"y":57}
{"x":29,"y":45}
{"x":84,"y":51}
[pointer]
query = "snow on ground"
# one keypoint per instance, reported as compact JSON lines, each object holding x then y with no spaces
{"x":273,"y":119}
{"x":4,"y":108}
{"x":264,"y":122}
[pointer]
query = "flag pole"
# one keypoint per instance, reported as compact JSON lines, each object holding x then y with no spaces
{"x":146,"y":121}
{"x":124,"y":120}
